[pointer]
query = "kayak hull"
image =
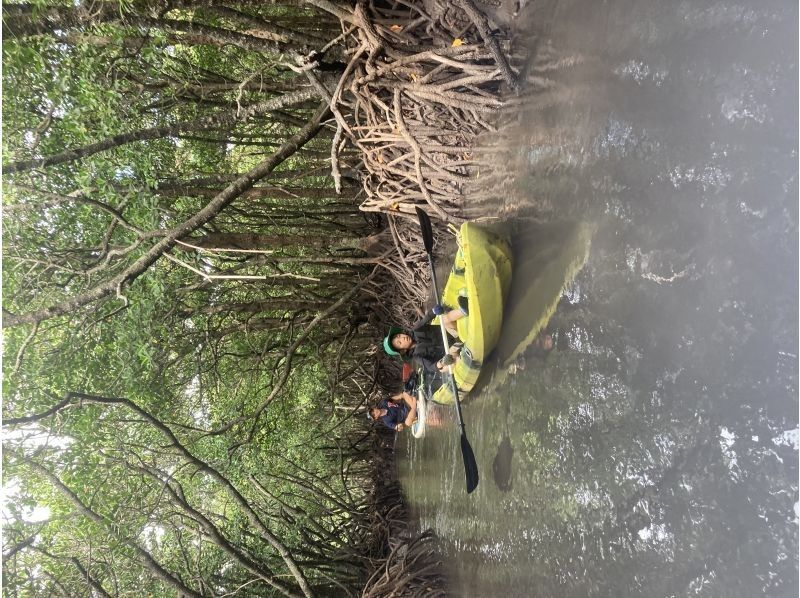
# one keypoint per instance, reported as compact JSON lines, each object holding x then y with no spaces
{"x":418,"y":427}
{"x":481,"y":271}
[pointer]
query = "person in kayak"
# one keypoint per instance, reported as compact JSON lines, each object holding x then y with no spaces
{"x":423,"y":344}
{"x":396,"y":413}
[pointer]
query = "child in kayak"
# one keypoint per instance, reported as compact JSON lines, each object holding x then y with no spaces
{"x":423,"y":344}
{"x":396,"y":413}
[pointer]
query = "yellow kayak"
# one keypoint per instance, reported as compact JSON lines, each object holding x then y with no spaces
{"x":481,"y":272}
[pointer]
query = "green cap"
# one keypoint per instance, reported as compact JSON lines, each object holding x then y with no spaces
{"x":387,"y":342}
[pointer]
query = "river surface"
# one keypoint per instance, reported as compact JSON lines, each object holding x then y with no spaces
{"x":653,"y":451}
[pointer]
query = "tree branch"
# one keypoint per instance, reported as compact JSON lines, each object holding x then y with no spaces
{"x":201,"y":466}
{"x":217,"y":204}
{"x":208,"y":122}
{"x":142,"y":555}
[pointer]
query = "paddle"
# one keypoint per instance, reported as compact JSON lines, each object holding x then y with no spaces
{"x":470,"y":465}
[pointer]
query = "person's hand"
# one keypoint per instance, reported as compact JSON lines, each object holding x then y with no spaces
{"x":399,"y":427}
{"x":445,"y":361}
{"x":437,"y":310}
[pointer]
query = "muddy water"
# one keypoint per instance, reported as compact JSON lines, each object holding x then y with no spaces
{"x":653,"y":451}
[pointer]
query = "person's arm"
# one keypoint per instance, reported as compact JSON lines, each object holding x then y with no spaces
{"x":399,"y":426}
{"x":411,"y":417}
{"x":429,"y":364}
{"x":406,"y":396}
{"x":389,"y":423}
{"x":409,"y":400}
{"x":426,"y":319}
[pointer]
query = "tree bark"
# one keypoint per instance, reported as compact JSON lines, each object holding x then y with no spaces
{"x":223,"y":241}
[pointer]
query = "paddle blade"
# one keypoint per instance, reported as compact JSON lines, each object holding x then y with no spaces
{"x":426,"y":228}
{"x":470,"y":465}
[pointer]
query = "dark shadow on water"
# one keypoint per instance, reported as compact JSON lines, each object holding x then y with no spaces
{"x":501,"y":464}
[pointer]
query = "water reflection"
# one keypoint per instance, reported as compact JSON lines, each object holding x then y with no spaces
{"x":653,"y":451}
